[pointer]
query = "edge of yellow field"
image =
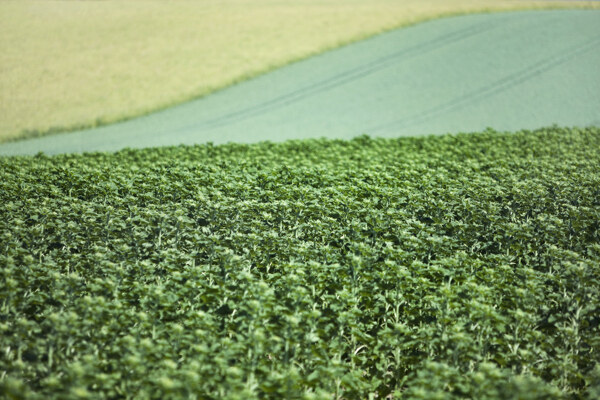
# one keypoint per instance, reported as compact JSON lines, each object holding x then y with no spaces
{"x":98,"y":122}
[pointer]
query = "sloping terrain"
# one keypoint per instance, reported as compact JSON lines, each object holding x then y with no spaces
{"x":507,"y":71}
{"x":67,"y":65}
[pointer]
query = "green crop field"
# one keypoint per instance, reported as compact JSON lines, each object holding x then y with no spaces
{"x":457,"y":266}
{"x":74,"y":64}
{"x":439,"y":267}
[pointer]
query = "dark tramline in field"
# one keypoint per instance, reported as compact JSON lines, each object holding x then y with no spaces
{"x":459,"y":266}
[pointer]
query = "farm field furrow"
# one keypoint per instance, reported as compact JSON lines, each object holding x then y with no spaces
{"x":453,"y":266}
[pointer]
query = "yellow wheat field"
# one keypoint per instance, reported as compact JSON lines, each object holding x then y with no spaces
{"x":69,"y":64}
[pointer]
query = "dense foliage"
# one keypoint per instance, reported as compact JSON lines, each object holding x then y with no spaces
{"x":436,"y":267}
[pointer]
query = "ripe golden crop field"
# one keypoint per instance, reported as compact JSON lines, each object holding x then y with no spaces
{"x":74,"y":64}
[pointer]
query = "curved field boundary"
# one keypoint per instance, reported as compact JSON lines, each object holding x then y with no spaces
{"x":505,"y":71}
{"x":71,"y":65}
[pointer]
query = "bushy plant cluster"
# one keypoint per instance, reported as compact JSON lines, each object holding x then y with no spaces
{"x":459,"y":266}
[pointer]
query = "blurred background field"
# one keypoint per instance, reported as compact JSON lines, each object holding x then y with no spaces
{"x":72,"y":64}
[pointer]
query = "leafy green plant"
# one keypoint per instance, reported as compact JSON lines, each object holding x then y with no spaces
{"x":459,"y":266}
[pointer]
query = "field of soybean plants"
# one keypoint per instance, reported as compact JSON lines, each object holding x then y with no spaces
{"x":457,"y":266}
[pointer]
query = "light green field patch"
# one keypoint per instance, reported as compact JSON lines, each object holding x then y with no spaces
{"x":70,"y":64}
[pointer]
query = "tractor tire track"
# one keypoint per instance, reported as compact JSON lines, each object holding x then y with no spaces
{"x":346,"y":77}
{"x":499,"y":86}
